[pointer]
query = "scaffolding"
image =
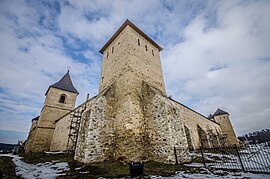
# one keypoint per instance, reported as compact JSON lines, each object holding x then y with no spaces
{"x":76,"y":116}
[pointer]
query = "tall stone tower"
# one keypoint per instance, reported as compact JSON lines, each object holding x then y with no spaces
{"x":60,"y":99}
{"x":129,"y":58}
{"x":131,"y":119}
{"x":222,"y":117}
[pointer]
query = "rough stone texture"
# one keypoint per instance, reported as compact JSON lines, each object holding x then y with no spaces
{"x":192,"y":120}
{"x":124,"y":55}
{"x":227,"y":128}
{"x":31,"y":135}
{"x":136,"y":127}
{"x":60,"y":135}
{"x":96,"y":131}
{"x":164,"y":129}
{"x":60,"y":140}
{"x":51,"y":111}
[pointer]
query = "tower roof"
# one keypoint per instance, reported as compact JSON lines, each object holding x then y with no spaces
{"x":127,"y":22}
{"x":220,"y":112}
{"x":64,"y":83}
{"x":210,"y":116}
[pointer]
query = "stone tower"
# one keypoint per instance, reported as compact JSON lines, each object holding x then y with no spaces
{"x":131,"y":119}
{"x":60,"y":99}
{"x":222,"y":117}
{"x":130,"y":57}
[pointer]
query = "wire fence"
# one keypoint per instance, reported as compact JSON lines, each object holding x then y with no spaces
{"x":248,"y":159}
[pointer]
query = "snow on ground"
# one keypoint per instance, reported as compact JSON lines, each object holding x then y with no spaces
{"x":46,"y":170}
{"x":208,"y":174}
{"x":49,"y":170}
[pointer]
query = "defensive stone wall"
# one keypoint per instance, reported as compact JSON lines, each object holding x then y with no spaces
{"x":131,"y":127}
{"x":30,"y":138}
{"x":60,"y":140}
{"x":193,"y":122}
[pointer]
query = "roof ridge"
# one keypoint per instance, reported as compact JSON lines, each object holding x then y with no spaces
{"x":64,"y":83}
{"x":121,"y":28}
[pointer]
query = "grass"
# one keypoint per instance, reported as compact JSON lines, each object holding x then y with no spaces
{"x":39,"y":157}
{"x":105,"y":169}
{"x":118,"y":169}
{"x":7,"y":168}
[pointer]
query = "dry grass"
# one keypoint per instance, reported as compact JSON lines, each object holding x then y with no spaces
{"x":7,"y":168}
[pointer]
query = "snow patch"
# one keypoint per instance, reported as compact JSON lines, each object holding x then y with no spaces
{"x":46,"y":170}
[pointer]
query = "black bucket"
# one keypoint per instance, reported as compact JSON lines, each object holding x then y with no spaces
{"x":136,"y":169}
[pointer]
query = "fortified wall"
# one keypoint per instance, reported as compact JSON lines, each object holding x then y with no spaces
{"x":131,"y":118}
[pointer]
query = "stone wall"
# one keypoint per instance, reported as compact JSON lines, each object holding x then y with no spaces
{"x":192,"y":121}
{"x":60,"y":140}
{"x":131,"y":127}
{"x":96,"y":135}
{"x":164,"y":128}
{"x":60,"y":135}
{"x":30,"y":138}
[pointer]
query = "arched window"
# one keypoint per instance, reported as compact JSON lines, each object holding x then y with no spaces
{"x":62,"y":98}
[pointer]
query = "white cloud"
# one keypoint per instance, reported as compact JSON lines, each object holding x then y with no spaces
{"x":216,"y":53}
{"x":236,"y":43}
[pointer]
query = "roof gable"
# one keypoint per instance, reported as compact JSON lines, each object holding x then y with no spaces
{"x":129,"y":23}
{"x":64,"y":83}
{"x":220,"y":112}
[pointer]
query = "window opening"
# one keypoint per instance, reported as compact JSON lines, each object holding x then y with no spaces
{"x":62,"y":98}
{"x":146,"y":47}
{"x":153,"y":52}
{"x":107,"y":54}
{"x":112,"y":49}
{"x":139,"y":42}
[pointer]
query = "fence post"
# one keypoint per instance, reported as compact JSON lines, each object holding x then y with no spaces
{"x":241,"y":163}
{"x":175,"y":153}
{"x":204,"y":164}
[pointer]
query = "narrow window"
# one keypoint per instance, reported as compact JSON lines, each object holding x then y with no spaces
{"x":62,"y":98}
{"x":146,"y":47}
{"x":102,"y":79}
{"x":153,"y":53}
{"x":112,"y":49}
{"x":139,"y":42}
{"x":107,"y":54}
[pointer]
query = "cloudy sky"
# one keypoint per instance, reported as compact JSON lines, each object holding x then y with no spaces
{"x":216,"y":54}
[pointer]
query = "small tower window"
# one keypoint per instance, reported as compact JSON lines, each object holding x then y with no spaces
{"x":107,"y":54}
{"x":146,"y":47}
{"x":139,"y":42}
{"x":62,"y":98}
{"x":112,"y":49}
{"x":153,"y":53}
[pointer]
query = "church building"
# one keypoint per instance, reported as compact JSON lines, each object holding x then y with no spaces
{"x":131,"y":118}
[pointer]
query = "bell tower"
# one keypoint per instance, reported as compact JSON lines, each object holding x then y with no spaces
{"x":60,"y":99}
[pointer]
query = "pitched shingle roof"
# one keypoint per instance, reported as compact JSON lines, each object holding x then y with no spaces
{"x":64,"y":83}
{"x":129,"y":23}
{"x":210,"y":116}
{"x":220,"y":112}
